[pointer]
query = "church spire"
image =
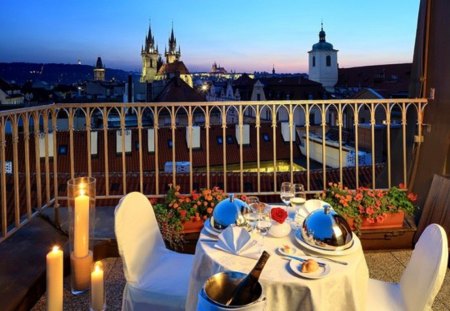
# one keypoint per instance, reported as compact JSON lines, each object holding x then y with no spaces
{"x":321,"y":33}
{"x":172,"y":42}
{"x":172,"y":54}
{"x":150,"y":41}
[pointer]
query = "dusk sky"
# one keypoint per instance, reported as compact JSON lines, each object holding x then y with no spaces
{"x":243,"y":36}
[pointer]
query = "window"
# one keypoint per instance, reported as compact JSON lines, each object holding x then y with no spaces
{"x":328,"y":60}
{"x":170,"y":143}
{"x":151,"y":63}
{"x":230,"y":140}
{"x":62,"y":150}
{"x":258,"y":97}
{"x":219,"y":140}
{"x":314,"y":61}
{"x":266,"y":137}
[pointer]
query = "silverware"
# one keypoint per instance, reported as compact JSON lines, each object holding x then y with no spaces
{"x":327,"y":258}
{"x":322,"y":264}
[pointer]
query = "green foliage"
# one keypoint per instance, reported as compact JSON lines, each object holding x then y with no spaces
{"x":371,"y":204}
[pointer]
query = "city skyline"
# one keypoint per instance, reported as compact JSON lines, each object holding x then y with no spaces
{"x":240,"y":36}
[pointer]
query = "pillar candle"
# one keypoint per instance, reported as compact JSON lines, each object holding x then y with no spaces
{"x":55,"y":279}
{"x":81,"y":225}
{"x":97,"y":288}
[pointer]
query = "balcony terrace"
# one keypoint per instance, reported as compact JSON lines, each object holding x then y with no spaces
{"x":145,"y":146}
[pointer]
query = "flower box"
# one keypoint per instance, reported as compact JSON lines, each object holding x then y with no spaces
{"x":391,"y":221}
{"x":192,"y":225}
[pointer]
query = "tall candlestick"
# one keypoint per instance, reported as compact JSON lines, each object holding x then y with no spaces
{"x":55,"y":279}
{"x":81,"y":225}
{"x":97,"y":288}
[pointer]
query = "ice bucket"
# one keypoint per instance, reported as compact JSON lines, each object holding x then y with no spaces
{"x":219,"y":288}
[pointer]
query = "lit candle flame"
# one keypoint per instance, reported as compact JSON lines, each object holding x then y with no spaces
{"x":98,"y":265}
{"x":55,"y":248}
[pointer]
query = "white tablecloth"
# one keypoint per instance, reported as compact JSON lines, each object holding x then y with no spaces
{"x":344,"y":288}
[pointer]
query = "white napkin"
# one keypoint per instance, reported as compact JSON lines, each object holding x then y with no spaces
{"x":237,"y":240}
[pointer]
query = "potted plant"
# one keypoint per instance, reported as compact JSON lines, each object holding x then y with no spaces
{"x":366,"y":208}
{"x":180,"y":214}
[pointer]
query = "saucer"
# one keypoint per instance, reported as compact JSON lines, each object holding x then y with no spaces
{"x":296,"y":267}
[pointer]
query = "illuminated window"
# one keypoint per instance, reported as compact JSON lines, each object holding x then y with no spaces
{"x":230,"y":140}
{"x":62,"y":150}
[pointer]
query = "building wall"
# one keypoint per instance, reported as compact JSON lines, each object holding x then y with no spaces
{"x":326,"y":75}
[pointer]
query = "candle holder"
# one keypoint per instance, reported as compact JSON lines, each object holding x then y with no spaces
{"x":81,"y":205}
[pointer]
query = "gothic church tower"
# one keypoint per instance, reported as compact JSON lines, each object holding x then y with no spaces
{"x":172,"y":55}
{"x":99,"y":70}
{"x":150,"y":56}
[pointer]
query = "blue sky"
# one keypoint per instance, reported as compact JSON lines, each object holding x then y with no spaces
{"x":241,"y":35}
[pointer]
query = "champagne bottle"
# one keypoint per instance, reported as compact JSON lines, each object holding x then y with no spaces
{"x":245,"y":290}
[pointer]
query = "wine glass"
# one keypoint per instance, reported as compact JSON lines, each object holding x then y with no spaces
{"x":263,"y":224}
{"x":251,"y":214}
{"x":298,"y":203}
{"x":286,"y":193}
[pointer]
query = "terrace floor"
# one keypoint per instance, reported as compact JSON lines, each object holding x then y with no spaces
{"x":383,"y":265}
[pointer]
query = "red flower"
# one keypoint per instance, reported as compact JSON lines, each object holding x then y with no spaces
{"x":412,"y":197}
{"x":369,"y":211}
{"x":182,"y":213}
{"x":402,"y":186}
{"x":380,"y":218}
{"x":278,"y":214}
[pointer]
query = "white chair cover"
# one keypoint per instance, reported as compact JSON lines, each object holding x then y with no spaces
{"x":204,"y":304}
{"x":157,"y":278}
{"x":421,"y":280}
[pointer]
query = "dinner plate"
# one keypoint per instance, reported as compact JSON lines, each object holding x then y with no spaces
{"x":356,"y":244}
{"x":210,"y":229}
{"x":310,"y":206}
{"x":296,"y":267}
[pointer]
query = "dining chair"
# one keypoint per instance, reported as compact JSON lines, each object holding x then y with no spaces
{"x":156,"y":278}
{"x":420,"y":281}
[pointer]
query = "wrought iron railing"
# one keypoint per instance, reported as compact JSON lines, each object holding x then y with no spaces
{"x":42,"y":147}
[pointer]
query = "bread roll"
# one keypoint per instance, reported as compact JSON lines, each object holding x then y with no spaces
{"x":309,"y":266}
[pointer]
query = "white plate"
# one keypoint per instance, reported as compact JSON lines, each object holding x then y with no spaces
{"x":210,"y":229}
{"x":283,"y":252}
{"x":356,"y":244}
{"x":296,"y":267}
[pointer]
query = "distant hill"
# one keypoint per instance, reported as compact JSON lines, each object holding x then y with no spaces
{"x":19,"y":73}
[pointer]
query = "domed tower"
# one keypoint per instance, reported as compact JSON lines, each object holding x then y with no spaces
{"x":172,"y":55}
{"x":99,"y":70}
{"x":323,"y":65}
{"x":150,"y":57}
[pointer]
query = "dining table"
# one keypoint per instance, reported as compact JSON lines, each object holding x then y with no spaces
{"x":343,"y":287}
